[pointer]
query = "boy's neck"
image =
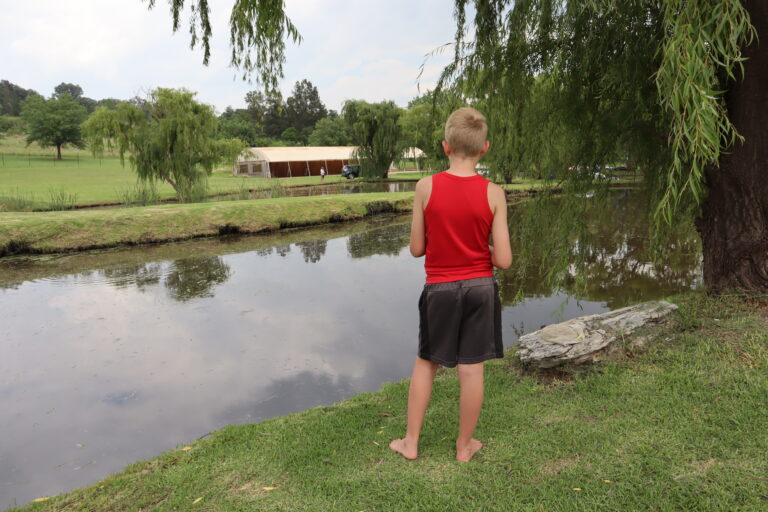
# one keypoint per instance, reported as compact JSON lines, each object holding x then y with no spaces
{"x":462,"y":166}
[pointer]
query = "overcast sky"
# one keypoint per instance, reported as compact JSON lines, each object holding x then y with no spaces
{"x":362,"y":49}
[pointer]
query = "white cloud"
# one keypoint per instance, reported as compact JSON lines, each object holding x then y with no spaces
{"x":370,"y":50}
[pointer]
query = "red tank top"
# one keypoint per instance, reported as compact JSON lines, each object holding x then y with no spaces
{"x":457,"y":223}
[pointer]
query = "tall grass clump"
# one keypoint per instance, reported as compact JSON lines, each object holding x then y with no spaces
{"x":60,"y":199}
{"x":142,"y":194}
{"x":16,"y":201}
{"x":276,"y":189}
{"x":193,"y":191}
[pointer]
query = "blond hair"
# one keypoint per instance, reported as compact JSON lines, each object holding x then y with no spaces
{"x":466,"y":131}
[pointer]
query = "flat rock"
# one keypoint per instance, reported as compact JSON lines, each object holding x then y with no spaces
{"x":581,"y":339}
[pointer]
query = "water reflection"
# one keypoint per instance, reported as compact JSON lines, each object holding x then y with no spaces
{"x":312,"y":250}
{"x":115,"y":356}
{"x":194,"y":278}
{"x":609,"y":260}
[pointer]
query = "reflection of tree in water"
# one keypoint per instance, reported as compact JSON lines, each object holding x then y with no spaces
{"x":388,"y":240}
{"x":265,"y":252}
{"x":609,"y":260}
{"x":313,"y":250}
{"x":193,"y":278}
{"x":141,"y":276}
{"x":283,"y":250}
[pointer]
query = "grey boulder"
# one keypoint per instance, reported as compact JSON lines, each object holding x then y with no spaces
{"x":583,"y":339}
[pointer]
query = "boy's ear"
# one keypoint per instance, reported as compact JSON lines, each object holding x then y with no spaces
{"x":446,"y":148}
{"x":485,"y":148}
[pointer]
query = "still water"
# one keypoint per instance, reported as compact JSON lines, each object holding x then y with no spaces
{"x":112,"y":357}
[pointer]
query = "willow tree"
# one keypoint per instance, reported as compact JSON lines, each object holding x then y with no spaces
{"x":169,"y":139}
{"x":679,"y":85}
{"x":375,"y":131}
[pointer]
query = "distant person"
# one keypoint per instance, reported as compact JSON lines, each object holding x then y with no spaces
{"x":322,"y":173}
{"x":460,"y":314}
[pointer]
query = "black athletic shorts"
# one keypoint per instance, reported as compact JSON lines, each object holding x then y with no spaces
{"x":460,"y":322}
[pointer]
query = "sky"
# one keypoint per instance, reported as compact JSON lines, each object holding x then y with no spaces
{"x":351,"y":49}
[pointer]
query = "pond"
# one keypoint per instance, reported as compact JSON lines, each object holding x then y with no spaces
{"x":116,"y":356}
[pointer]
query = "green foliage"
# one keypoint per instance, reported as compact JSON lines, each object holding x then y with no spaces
{"x":238,"y":124}
{"x":330,"y":132}
{"x":258,"y":29}
{"x":11,"y":97}
{"x":375,"y":130}
{"x":11,"y":126}
{"x":701,"y":50}
{"x":73,"y":90}
{"x":585,"y":84}
{"x":422,"y":124}
{"x":230,"y":150}
{"x":53,"y":122}
{"x":303,"y":108}
{"x":170,"y":140}
{"x":291,"y":136}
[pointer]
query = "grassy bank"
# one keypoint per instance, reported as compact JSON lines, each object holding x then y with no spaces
{"x":95,"y":181}
{"x":678,"y":425}
{"x":87,"y":229}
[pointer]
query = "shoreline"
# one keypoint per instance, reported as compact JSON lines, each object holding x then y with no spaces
{"x":29,"y":233}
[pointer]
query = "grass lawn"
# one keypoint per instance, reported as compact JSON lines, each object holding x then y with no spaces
{"x":679,"y":425}
{"x":32,"y":173}
{"x":30,"y":232}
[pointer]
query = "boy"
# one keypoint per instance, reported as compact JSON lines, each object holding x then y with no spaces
{"x":460,"y":316}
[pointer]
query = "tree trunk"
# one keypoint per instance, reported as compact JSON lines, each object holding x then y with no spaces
{"x":734,"y":219}
{"x":58,"y":151}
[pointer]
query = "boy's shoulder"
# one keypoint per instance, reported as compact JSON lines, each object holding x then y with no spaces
{"x":424,"y":184}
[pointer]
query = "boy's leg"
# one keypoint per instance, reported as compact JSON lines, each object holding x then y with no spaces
{"x":470,"y":403}
{"x":418,"y":399}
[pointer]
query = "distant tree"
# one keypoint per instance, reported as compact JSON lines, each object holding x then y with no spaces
{"x":238,"y":123}
{"x":76,"y":93}
{"x":375,"y":130}
{"x":110,"y":103}
{"x":291,"y":136}
{"x":422,"y":125}
{"x":267,"y":110}
{"x":169,"y":138}
{"x":330,"y":132}
{"x":53,"y":122}
{"x":303,"y":108}
{"x":11,"y":97}
{"x":74,"y":90}
{"x":5,"y":126}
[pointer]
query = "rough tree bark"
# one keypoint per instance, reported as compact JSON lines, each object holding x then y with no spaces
{"x":734,"y":221}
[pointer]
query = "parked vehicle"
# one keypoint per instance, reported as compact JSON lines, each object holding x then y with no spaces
{"x":350,"y":171}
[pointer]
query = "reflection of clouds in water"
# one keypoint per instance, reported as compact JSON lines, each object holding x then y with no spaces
{"x":133,"y":372}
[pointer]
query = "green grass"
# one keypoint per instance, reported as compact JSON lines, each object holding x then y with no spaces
{"x":678,"y":426}
{"x":33,"y":171}
{"x":32,"y":232}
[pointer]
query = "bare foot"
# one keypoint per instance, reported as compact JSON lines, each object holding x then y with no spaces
{"x":403,"y":447}
{"x":465,"y":453}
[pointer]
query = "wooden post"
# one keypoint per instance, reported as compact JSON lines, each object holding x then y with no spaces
{"x":309,"y":173}
{"x":290,"y":175}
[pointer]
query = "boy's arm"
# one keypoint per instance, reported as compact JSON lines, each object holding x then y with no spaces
{"x":501,"y":251}
{"x":420,"y":198}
